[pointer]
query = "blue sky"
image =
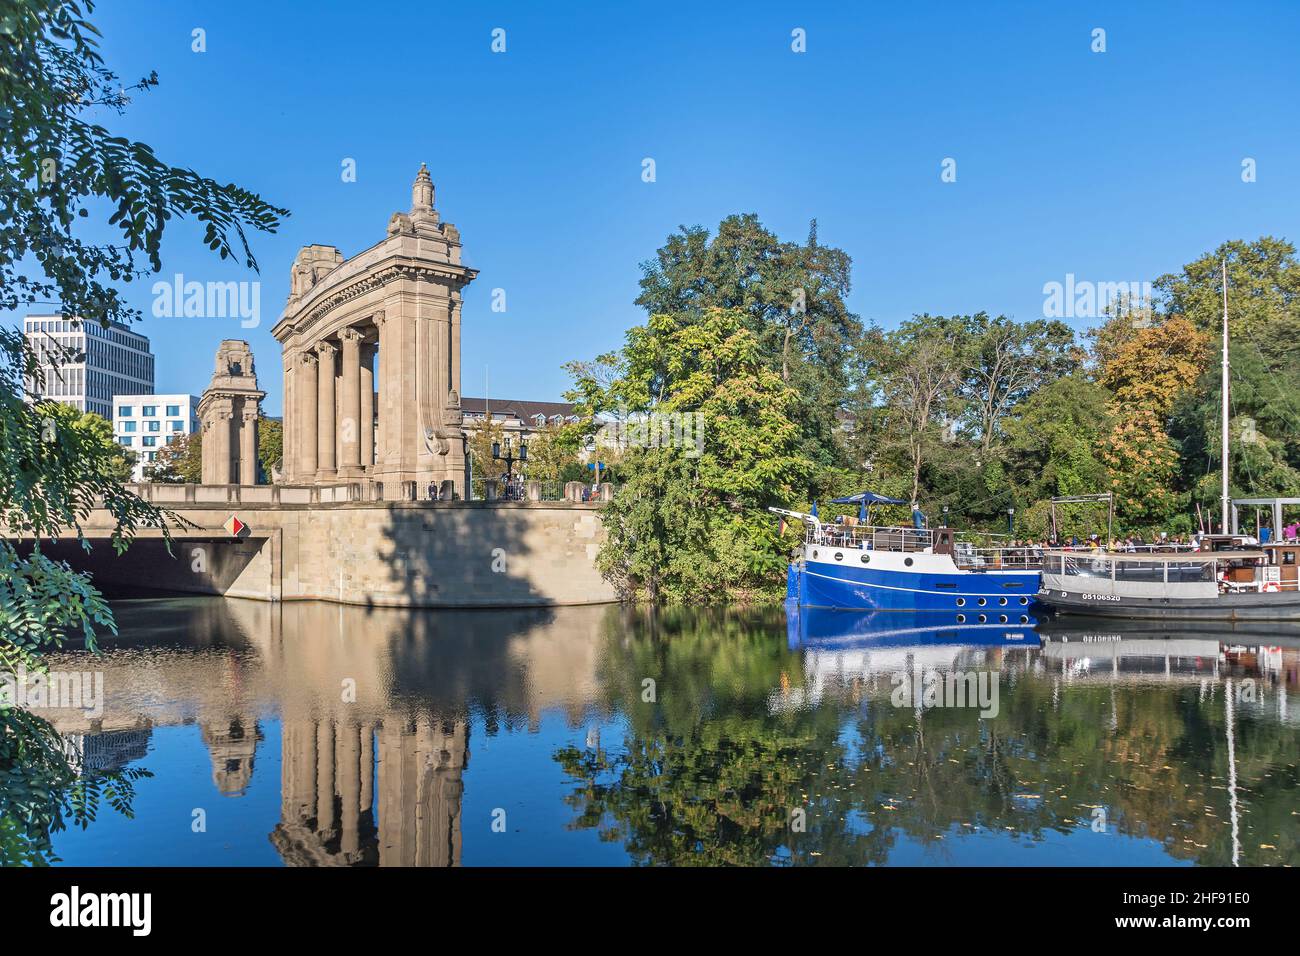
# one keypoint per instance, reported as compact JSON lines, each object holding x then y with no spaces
{"x":1114,"y":166}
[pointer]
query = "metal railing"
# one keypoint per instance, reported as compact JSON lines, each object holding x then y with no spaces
{"x":969,"y":555}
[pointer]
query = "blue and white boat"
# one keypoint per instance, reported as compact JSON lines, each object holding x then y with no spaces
{"x":870,"y":567}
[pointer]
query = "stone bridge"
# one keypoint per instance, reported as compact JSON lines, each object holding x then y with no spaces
{"x":329,"y":543}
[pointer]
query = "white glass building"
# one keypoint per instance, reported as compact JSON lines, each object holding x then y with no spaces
{"x":104,"y":362}
{"x":146,"y":423}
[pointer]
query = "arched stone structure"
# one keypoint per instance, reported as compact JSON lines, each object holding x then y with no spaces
{"x":398,"y":301}
{"x":228,"y":410}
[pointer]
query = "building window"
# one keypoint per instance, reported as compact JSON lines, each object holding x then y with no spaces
{"x":173,"y":410}
{"x":177,"y":426}
{"x":149,"y":441}
{"x":148,"y":411}
{"x":124,"y":411}
{"x":124,"y":441}
{"x":155,"y":425}
{"x":128,"y":426}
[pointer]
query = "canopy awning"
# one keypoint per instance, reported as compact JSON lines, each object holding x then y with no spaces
{"x":867,"y":498}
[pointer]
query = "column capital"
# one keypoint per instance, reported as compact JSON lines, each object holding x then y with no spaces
{"x":307,"y":357}
{"x":324,"y":348}
{"x":379,"y":318}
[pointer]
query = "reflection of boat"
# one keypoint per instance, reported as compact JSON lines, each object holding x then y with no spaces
{"x":1081,"y":628}
{"x":869,"y":567}
{"x":829,"y":628}
{"x":843,"y":648}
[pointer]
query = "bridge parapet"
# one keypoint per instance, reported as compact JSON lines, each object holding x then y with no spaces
{"x":169,"y":495}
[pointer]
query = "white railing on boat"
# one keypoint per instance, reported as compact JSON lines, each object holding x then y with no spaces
{"x":969,"y":550}
{"x":1232,"y":570}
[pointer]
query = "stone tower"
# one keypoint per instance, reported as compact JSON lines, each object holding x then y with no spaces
{"x":372,"y":358}
{"x":229,"y":411}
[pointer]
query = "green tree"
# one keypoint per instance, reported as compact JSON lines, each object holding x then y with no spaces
{"x":180,"y":461}
{"x":1052,"y":448}
{"x":691,"y":515}
{"x":59,"y":167}
{"x":793,"y":298}
{"x":270,"y":445}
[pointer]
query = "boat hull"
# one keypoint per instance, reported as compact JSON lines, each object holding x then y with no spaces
{"x":974,"y":597}
{"x":1251,"y":606}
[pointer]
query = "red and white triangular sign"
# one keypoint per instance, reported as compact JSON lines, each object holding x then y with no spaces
{"x":235,"y":527}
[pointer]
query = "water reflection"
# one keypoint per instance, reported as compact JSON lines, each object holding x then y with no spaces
{"x":683,"y":737}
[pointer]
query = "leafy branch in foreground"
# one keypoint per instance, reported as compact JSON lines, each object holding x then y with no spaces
{"x":64,"y":177}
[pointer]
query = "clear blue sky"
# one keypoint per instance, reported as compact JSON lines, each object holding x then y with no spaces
{"x":1115,"y":166}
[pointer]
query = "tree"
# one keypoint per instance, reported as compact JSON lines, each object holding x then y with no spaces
{"x":180,"y":461}
{"x":1149,"y":364}
{"x":914,"y":374}
{"x":1053,"y":445}
{"x":1003,"y":362}
{"x":793,"y":298}
{"x":270,"y":445}
{"x":58,"y":169}
{"x":488,"y":432}
{"x":690,"y":516}
{"x":1263,"y":296}
{"x":553,"y":453}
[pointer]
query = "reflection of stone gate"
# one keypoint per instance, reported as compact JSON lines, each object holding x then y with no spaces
{"x":398,"y":301}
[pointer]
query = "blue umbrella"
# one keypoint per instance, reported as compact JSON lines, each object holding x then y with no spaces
{"x":868,"y":498}
{"x":864,"y":500}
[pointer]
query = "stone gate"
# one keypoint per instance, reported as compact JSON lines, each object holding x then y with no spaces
{"x":371,"y":349}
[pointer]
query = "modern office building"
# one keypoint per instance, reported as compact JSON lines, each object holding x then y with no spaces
{"x":98,"y":363}
{"x":146,"y":423}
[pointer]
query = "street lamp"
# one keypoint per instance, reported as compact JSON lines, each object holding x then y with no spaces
{"x":1011,"y":521}
{"x":509,"y":457}
{"x":945,"y":516}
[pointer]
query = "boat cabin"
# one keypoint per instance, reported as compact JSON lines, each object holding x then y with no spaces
{"x":1283,"y":565}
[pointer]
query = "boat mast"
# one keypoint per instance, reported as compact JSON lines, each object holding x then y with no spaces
{"x":1226,"y":501}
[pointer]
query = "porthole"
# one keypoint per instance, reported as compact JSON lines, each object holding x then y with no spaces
{"x":839,"y":555}
{"x":866,"y":559}
{"x":961,"y":602}
{"x":961,"y":618}
{"x":983,"y":618}
{"x":1002,"y":601}
{"x":1024,"y":619}
{"x":982,"y":602}
{"x":908,"y":562}
{"x":814,"y":554}
{"x":1024,"y":600}
{"x":1002,"y":619}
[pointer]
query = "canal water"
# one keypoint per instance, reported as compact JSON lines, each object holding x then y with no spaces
{"x":320,"y":735}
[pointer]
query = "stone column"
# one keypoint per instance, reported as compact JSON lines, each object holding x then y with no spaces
{"x":221,"y":418}
{"x":368,"y":407}
{"x":308,"y":393}
{"x":325,"y":411}
{"x":350,"y":406}
{"x":248,"y":443}
{"x":289,"y":422}
{"x":386,"y":364}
